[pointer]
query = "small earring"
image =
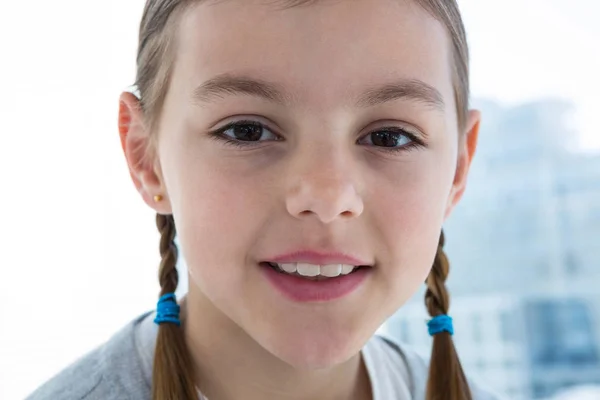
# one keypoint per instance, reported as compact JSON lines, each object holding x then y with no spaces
{"x":158,"y":198}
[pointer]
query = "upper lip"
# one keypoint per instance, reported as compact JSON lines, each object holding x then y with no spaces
{"x":318,"y":258}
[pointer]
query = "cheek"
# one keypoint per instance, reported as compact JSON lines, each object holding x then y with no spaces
{"x":217,"y":211}
{"x":408,"y":209}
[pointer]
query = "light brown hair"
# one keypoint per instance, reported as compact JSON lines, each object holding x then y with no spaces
{"x":173,"y":377}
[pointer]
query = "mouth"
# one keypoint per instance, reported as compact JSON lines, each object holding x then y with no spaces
{"x":314,"y":272}
{"x":308,"y":283}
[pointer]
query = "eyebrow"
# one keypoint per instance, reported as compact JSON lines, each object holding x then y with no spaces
{"x":412,"y":89}
{"x":226,"y":84}
{"x":234,"y":85}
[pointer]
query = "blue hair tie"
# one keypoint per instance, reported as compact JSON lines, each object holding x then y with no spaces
{"x":441,"y":323}
{"x":167,"y":310}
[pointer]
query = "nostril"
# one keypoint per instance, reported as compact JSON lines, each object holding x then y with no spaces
{"x":305,"y":214}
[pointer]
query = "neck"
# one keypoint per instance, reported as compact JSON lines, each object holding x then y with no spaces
{"x":230,"y":365}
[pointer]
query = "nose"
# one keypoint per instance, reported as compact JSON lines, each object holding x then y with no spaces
{"x":324,"y":187}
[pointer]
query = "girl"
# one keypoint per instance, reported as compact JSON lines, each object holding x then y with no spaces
{"x":306,"y":154}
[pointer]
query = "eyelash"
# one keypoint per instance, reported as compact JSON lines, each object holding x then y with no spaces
{"x":219,"y":134}
{"x":415,"y":141}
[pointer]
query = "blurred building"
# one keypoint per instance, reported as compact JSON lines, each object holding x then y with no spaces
{"x":561,"y":344}
{"x":487,"y":337}
{"x":524,"y":245}
{"x":521,"y":347}
{"x":530,"y":218}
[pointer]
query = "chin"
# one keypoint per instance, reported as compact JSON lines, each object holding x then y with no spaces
{"x":310,"y":337}
{"x":315,"y":358}
{"x":318,"y":350}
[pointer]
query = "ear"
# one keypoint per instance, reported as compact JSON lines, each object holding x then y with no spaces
{"x":140,"y":154}
{"x":466,"y":152}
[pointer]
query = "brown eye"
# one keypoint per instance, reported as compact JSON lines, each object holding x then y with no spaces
{"x":388,"y":139}
{"x":395,"y":137}
{"x":248,"y":131}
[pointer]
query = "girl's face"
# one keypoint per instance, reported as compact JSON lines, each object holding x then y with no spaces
{"x":346,"y":142}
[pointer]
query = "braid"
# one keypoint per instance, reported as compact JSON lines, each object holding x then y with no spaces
{"x":172,"y":376}
{"x":437,"y":299}
{"x":167,"y":273}
{"x":447,"y":380}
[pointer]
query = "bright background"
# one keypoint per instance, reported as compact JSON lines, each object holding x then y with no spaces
{"x":79,"y":248}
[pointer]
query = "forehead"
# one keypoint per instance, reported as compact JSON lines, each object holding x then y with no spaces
{"x":322,"y":51}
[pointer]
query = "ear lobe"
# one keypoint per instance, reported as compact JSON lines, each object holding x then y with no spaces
{"x":466,"y":152}
{"x":137,"y":146}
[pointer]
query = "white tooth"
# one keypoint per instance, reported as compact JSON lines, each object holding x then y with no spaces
{"x":308,"y":269}
{"x":346,"y":269}
{"x":289,"y":268}
{"x":331,"y":270}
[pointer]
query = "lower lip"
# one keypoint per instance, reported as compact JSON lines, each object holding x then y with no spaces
{"x":305,"y":290}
